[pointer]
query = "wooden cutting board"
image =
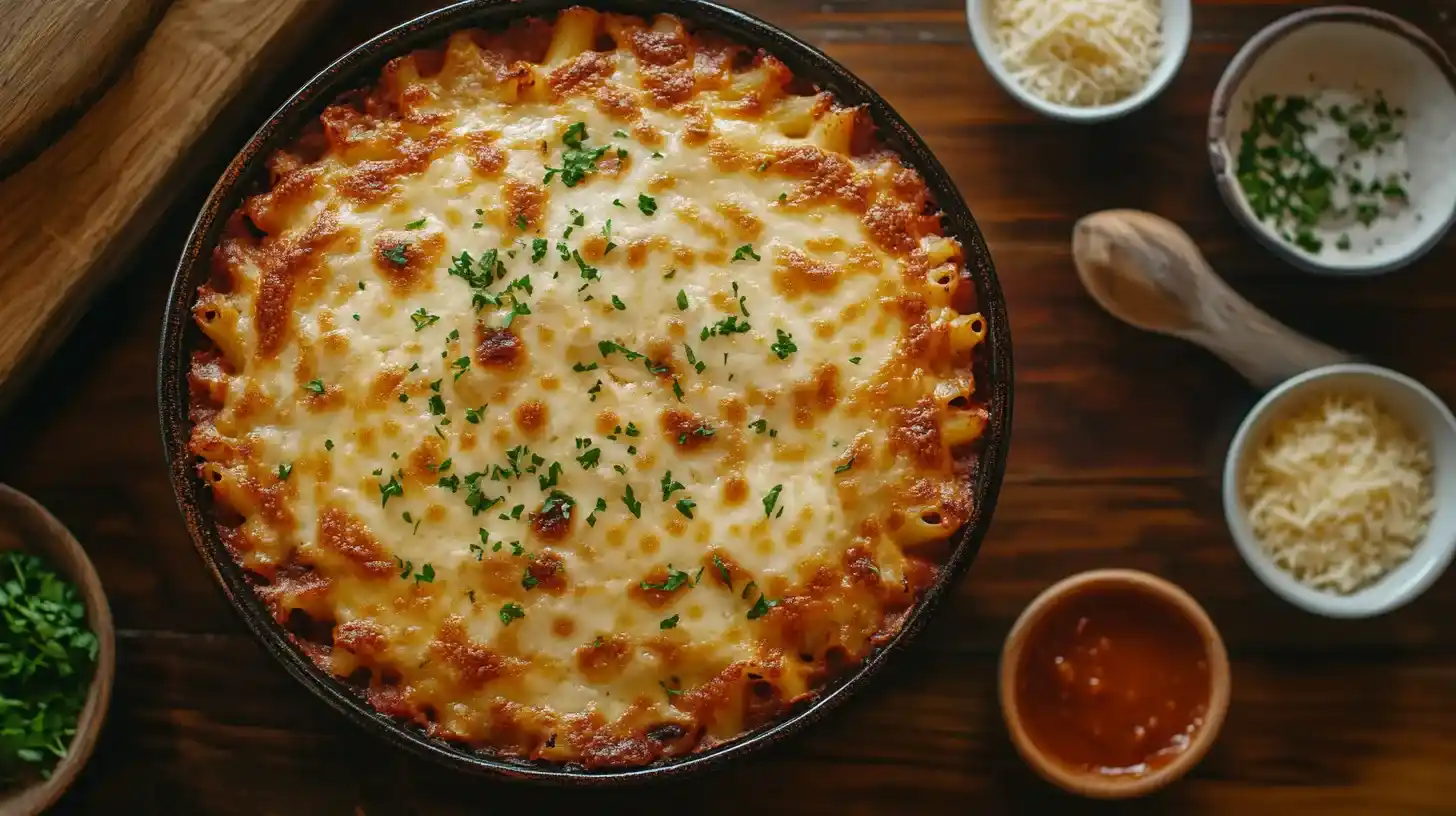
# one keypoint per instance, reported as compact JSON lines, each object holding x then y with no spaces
{"x":73,"y":213}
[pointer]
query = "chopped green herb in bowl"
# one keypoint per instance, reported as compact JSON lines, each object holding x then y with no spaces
{"x":48,"y":656}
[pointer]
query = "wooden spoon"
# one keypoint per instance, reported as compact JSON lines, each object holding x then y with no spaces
{"x":56,"y":57}
{"x":1147,"y":272}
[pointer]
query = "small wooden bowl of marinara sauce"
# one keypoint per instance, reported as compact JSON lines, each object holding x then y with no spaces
{"x":1114,"y":683}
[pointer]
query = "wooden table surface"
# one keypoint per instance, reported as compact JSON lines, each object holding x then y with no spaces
{"x":1118,"y":440}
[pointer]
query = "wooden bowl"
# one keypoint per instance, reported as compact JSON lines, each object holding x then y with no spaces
{"x":26,"y":525}
{"x":1094,"y":785}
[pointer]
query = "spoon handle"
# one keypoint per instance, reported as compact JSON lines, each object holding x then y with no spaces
{"x":1265,"y":351}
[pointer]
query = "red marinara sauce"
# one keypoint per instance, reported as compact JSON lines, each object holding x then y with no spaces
{"x":1113,"y":681}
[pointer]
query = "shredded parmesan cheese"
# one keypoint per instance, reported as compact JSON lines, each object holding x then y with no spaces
{"x":1339,"y":493}
{"x":1084,"y":53}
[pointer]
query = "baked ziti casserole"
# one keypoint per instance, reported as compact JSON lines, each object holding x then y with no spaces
{"x":590,"y":391}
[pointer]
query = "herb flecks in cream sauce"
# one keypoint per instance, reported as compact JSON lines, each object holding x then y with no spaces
{"x":1328,"y":171}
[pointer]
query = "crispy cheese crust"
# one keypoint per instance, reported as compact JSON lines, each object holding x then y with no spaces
{"x":588,"y":391}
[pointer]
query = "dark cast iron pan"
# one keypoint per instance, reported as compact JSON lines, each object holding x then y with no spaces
{"x":360,"y":67}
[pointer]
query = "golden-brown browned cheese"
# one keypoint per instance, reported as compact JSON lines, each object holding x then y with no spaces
{"x":588,"y":391}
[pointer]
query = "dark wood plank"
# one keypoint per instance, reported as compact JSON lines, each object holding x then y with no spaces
{"x":1119,"y":437}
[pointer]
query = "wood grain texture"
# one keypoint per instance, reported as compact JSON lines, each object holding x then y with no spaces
{"x":74,"y":213}
{"x":1118,"y":439}
{"x":56,"y":58}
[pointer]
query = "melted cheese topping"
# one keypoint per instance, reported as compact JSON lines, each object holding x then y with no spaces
{"x":1340,"y":493}
{"x":584,"y":394}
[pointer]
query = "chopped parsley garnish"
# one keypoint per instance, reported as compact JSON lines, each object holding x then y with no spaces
{"x":671,"y":692}
{"x":473,"y":415}
{"x":477,"y":550}
{"x":437,"y":405}
{"x":328,"y":444}
{"x":577,"y":159}
{"x":677,"y":389}
{"x":761,"y":607}
{"x":771,"y":499}
{"x":632,"y":430}
{"x":698,"y":365}
{"x":617,"y":202}
{"x":669,"y":486}
{"x":316,"y":386}
{"x":742,"y":304}
{"x":745,"y":252}
{"x":784,"y":346}
{"x":647,"y":204}
{"x":855,"y":360}
{"x":390,"y":488}
{"x":601,"y":506}
{"x":723,"y":571}
{"x":460,"y":365}
{"x":284,"y":471}
{"x":395,"y":254}
{"x":516,"y":310}
{"x":728,"y":325}
{"x":668,"y":623}
{"x":634,"y":506}
{"x":558,"y":503}
{"x":759,"y":425}
{"x":618,"y":304}
{"x":588,"y":367}
{"x":528,"y":581}
{"x":685,"y":506}
{"x":846,"y":466}
{"x":675,"y":579}
{"x":414,"y":225}
{"x":521,"y":222}
{"x":450,"y":483}
{"x":426,"y":573}
{"x":510,"y":612}
{"x":590,"y":459}
{"x":588,"y":272}
{"x":682,"y":300}
{"x":594,"y":391}
{"x":551,"y":477}
{"x":538,"y":249}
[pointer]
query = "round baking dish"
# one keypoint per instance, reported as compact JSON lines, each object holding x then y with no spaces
{"x":180,"y":337}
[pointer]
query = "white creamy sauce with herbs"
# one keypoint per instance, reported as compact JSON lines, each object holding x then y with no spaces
{"x":1329,"y":171}
{"x":1341,"y":72}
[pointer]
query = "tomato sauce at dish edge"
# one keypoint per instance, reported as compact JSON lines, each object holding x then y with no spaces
{"x":1113,"y":681}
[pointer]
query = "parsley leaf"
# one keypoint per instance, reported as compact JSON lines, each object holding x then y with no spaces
{"x":723,"y":571}
{"x":632,"y":504}
{"x":647,"y":204}
{"x":761,"y":607}
{"x":745,"y":252}
{"x":668,"y":623}
{"x":675,"y":579}
{"x":284,"y":471}
{"x":395,"y":254}
{"x":414,"y":225}
{"x":316,"y":386}
{"x":685,"y":506}
{"x":590,"y":459}
{"x":846,"y":466}
{"x":390,"y":488}
{"x":682,"y":300}
{"x":670,"y":486}
{"x":577,"y":159}
{"x":510,"y":612}
{"x":538,"y":249}
{"x":784,"y":346}
{"x":618,"y":304}
{"x":771,"y":499}
{"x":855,"y":360}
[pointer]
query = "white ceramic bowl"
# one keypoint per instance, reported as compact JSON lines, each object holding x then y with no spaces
{"x":1352,"y":49}
{"x":1177,"y":31}
{"x":1421,"y":411}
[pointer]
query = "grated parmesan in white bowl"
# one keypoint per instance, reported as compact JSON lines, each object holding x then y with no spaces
{"x":1081,"y":60}
{"x":1340,"y":489}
